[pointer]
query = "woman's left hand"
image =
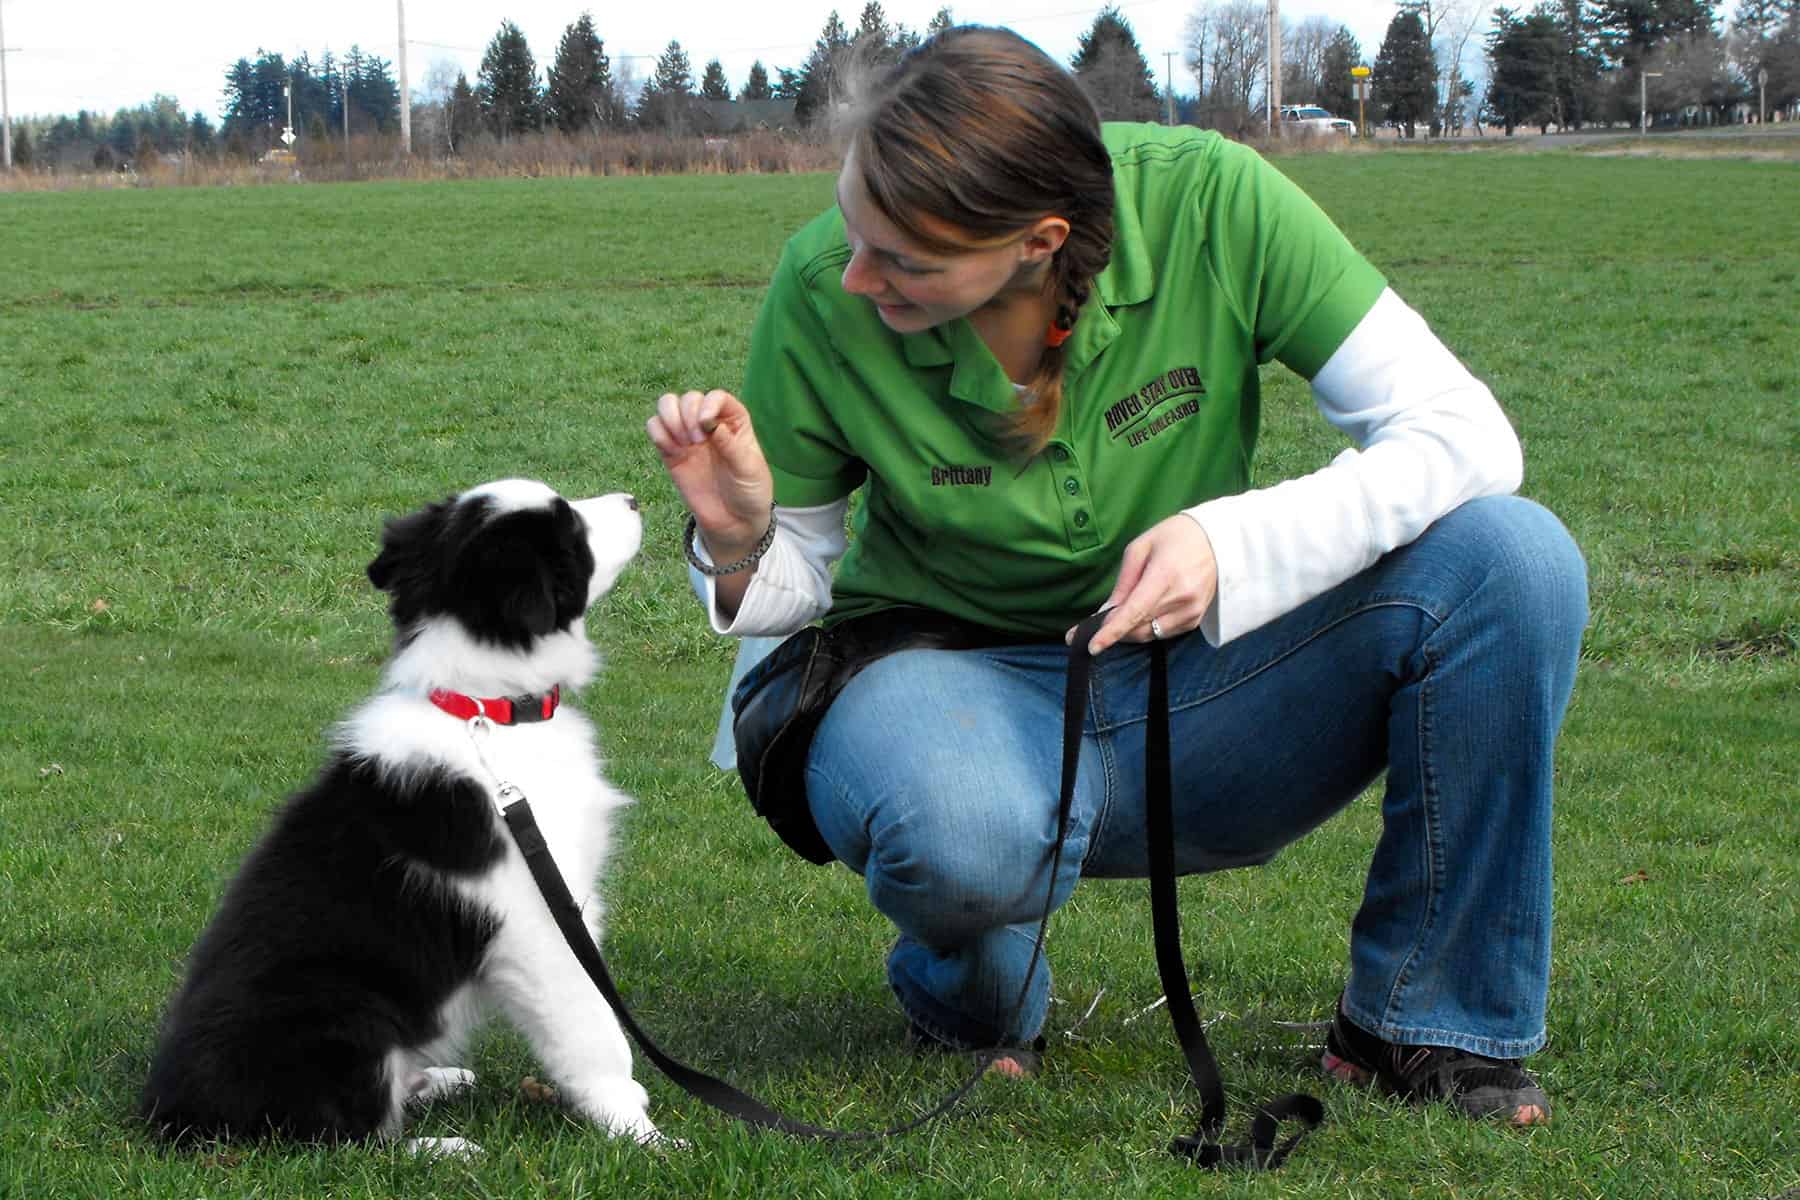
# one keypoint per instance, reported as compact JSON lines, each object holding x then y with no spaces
{"x":1168,"y":574}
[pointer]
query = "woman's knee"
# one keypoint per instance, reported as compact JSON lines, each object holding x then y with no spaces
{"x":941,"y":804}
{"x":1531,"y":565}
{"x":947,"y":851}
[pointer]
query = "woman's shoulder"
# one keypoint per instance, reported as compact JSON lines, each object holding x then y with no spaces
{"x":817,"y":247}
{"x":1134,"y":144}
{"x":1174,"y":155}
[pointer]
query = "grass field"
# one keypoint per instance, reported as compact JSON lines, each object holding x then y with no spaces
{"x":213,"y":397}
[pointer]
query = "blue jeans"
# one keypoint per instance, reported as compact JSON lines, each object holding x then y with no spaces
{"x":1448,"y":664}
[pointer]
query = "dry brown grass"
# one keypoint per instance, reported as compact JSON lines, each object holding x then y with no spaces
{"x":551,"y":155}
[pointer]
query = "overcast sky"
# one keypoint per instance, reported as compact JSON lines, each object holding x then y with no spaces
{"x":103,"y":55}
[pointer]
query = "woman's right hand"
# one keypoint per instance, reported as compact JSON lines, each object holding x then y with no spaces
{"x":713,"y":458}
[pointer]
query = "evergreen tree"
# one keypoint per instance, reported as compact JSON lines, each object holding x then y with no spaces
{"x":579,"y":90}
{"x":22,"y":151}
{"x":667,"y":99}
{"x":1337,"y":87}
{"x":507,"y":85}
{"x":1111,"y":67}
{"x":464,"y":117}
{"x":240,"y":92}
{"x":1523,"y":56}
{"x":201,"y":138}
{"x":756,"y":86}
{"x":819,"y":81}
{"x":1405,"y":73}
{"x":1783,"y":64}
{"x":1762,"y":20}
{"x":879,"y":42}
{"x":874,"y":36}
{"x":271,"y":90}
{"x":372,"y":91}
{"x":1579,"y":64}
{"x":331,"y":75}
{"x":1631,"y":29}
{"x":712,"y":84}
{"x":122,"y":135}
{"x":1763,"y":38}
{"x":255,"y":107}
{"x":788,"y":84}
{"x":940,"y":21}
{"x":311,"y":93}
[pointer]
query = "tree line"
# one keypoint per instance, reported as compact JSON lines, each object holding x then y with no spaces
{"x":581,"y":90}
{"x":1574,"y":63}
{"x":1569,"y":63}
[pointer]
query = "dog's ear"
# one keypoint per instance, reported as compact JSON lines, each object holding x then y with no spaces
{"x":406,"y":545}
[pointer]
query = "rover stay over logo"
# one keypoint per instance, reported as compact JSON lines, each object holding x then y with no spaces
{"x":1157,"y":406}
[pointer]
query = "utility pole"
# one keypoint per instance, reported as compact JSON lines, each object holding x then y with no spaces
{"x":1762,"y":95}
{"x":1274,"y":67}
{"x":405,"y":89}
{"x":1169,"y":86}
{"x":5,"y":106}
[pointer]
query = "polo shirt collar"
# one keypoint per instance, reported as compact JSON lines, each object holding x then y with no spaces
{"x":1129,"y":277}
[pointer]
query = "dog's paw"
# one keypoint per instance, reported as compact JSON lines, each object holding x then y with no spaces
{"x":660,"y":1141}
{"x":536,"y":1091}
{"x":448,"y":1147}
{"x":435,"y":1083}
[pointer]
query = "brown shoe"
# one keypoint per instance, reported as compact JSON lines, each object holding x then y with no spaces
{"x":1479,"y":1086}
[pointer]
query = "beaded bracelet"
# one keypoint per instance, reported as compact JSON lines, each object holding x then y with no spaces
{"x":743,"y":564}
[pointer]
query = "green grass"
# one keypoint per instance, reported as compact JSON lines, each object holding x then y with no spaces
{"x":212,"y":399}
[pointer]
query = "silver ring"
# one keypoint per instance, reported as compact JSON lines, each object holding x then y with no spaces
{"x":1156,"y":629}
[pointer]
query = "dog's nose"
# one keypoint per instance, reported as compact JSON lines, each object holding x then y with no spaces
{"x":631,"y":503}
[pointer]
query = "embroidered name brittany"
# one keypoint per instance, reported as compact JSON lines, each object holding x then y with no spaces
{"x":962,"y":476}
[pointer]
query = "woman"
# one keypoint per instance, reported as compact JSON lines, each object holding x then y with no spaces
{"x":1032,"y":343}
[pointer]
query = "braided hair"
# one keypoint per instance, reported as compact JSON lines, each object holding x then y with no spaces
{"x":979,"y":130}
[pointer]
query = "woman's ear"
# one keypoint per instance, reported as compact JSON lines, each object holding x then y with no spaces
{"x":1045,"y":238}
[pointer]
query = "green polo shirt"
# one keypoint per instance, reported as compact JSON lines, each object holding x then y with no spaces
{"x":1219,"y":263}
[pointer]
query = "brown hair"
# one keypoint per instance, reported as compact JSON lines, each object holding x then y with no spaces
{"x":984,"y":132}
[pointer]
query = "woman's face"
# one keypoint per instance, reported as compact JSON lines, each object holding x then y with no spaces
{"x":913,"y":287}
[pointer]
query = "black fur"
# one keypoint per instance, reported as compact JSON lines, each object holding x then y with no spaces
{"x":507,"y":579}
{"x":327,"y":951}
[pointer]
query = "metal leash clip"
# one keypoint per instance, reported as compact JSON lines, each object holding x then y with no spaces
{"x":505,"y":792}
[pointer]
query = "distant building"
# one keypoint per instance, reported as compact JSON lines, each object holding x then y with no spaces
{"x":742,"y":116}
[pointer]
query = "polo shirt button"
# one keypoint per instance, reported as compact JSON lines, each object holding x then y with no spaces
{"x":1081,"y":519}
{"x":1072,"y":486}
{"x":1060,"y":453}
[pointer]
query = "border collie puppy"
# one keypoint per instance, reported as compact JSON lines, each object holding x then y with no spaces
{"x":387,"y":909}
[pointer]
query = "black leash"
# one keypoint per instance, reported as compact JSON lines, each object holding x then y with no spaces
{"x":1202,"y":1147}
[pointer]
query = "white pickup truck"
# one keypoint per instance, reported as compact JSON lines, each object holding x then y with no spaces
{"x":1310,"y":118}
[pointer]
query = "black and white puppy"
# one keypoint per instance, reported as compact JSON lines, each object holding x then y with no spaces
{"x":387,"y":909}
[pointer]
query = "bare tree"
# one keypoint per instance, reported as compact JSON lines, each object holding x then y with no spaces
{"x":1226,"y":49}
{"x":1458,"y":19}
{"x":431,"y":114}
{"x":1303,"y":58}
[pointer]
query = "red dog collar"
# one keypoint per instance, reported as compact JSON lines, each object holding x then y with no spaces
{"x":501,"y":710}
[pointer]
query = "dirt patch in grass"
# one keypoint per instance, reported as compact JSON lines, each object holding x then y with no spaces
{"x":1755,"y":642}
